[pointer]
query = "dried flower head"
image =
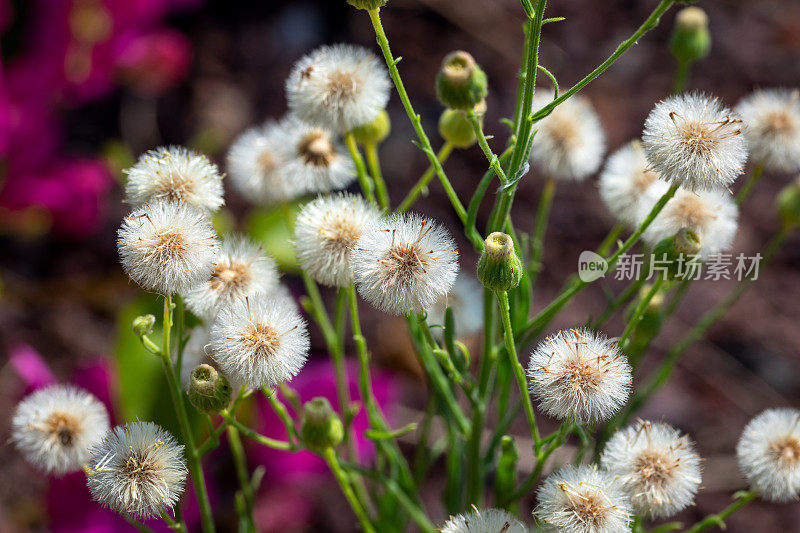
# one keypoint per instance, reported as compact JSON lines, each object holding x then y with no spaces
{"x":712,"y":215}
{"x":625,"y":180}
{"x":570,"y":142}
{"x":485,"y":521}
{"x":167,"y":247}
{"x":175,"y":174}
{"x":579,"y":375}
{"x":242,"y":270}
{"x":657,"y":466}
{"x":255,"y":163}
{"x":326,"y":230}
{"x":138,"y":470}
{"x":263,"y":341}
{"x":339,"y":87}
{"x":55,"y":427}
{"x":769,"y":454}
{"x":772,"y":117}
{"x":404,"y":263}
{"x":315,"y":159}
{"x":583,"y":499}
{"x":694,"y":141}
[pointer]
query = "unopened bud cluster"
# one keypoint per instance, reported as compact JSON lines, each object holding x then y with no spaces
{"x":320,"y":426}
{"x":499,"y":267}
{"x":461,"y":83}
{"x":209,"y":390}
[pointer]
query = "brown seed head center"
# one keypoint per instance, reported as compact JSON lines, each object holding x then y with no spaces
{"x":786,"y":450}
{"x":262,"y":340}
{"x":171,"y":243}
{"x":589,"y":506}
{"x":342,"y":85}
{"x":654,"y":468}
{"x":692,"y":211}
{"x":174,"y":186}
{"x":564,"y":132}
{"x":339,"y":235}
{"x":778,"y":123}
{"x":229,"y":277}
{"x":316,"y":149}
{"x":63,"y":426}
{"x":266,"y":161}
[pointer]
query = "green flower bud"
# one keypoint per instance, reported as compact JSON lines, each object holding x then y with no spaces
{"x":455,"y":127}
{"x":320,"y":426}
{"x":789,"y":204}
{"x":374,"y":132}
{"x":690,"y":39}
{"x":367,"y":4}
{"x":143,"y":325}
{"x":209,"y":391}
{"x":461,"y":84}
{"x":499,"y":268}
{"x":670,"y":252}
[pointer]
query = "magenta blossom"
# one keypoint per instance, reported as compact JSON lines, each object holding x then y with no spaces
{"x":153,"y":62}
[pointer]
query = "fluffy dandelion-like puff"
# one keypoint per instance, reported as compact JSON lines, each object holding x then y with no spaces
{"x":326,"y":230}
{"x":55,"y":427}
{"x":579,"y":375}
{"x":167,"y":247}
{"x":694,"y":141}
{"x":138,"y":469}
{"x":339,"y":87}
{"x":175,"y":174}
{"x":769,"y":454}
{"x":484,"y":521}
{"x":772,"y":117}
{"x":570,"y":142}
{"x":242,"y":270}
{"x":404,"y":264}
{"x":263,"y":341}
{"x":583,"y":499}
{"x":657,"y":466}
{"x":625,"y":182}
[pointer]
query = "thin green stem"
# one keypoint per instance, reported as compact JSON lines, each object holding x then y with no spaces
{"x":420,"y":187}
{"x":180,"y":327}
{"x":240,"y":463}
{"x":540,"y":228}
{"x":638,"y":313}
{"x":516,"y":367}
{"x":261,"y":439}
{"x":681,"y":76}
{"x":138,"y":525}
{"x":374,"y":164}
{"x":344,"y":483}
{"x":650,"y":23}
{"x":494,"y":161}
{"x":718,"y":520}
{"x":193,"y":458}
{"x":610,"y":239}
{"x":283,"y":414}
{"x":629,"y":292}
{"x":361,"y":171}
{"x":752,"y":179}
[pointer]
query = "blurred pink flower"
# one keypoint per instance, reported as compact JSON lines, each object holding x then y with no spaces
{"x":154,"y":61}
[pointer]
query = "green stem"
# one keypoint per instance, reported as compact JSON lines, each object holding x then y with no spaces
{"x":138,"y":525}
{"x":542,"y":214}
{"x":516,"y":367}
{"x":361,"y":171}
{"x":347,"y":489}
{"x":494,"y":161}
{"x":650,"y":23}
{"x":681,"y":77}
{"x":718,"y":520}
{"x":240,"y":462}
{"x":752,"y":179}
{"x":540,"y":321}
{"x":374,"y":163}
{"x":638,"y":313}
{"x":610,"y":239}
{"x":422,"y":184}
{"x":180,"y":327}
{"x":261,"y":439}
{"x":283,"y":414}
{"x":629,"y":292}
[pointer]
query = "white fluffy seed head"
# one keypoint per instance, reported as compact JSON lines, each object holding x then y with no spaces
{"x":694,"y":141}
{"x":339,"y":87}
{"x":569,"y":143}
{"x":326,"y":230}
{"x":579,"y":375}
{"x":315,"y":159}
{"x":769,"y":454}
{"x":404,"y":263}
{"x":137,"y":469}
{"x":242,"y":270}
{"x":486,"y":521}
{"x":772,"y":120}
{"x":625,"y":180}
{"x":657,"y":466}
{"x":55,"y":427}
{"x":175,"y":174}
{"x":263,"y":341}
{"x":466,"y":300}
{"x":167,"y":247}
{"x":712,"y":215}
{"x":256,"y":161}
{"x":583,"y":499}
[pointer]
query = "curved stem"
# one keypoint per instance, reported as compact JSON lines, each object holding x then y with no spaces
{"x":344,"y":483}
{"x":361,"y":171}
{"x":374,"y":163}
{"x":752,"y":179}
{"x":422,"y":184}
{"x":516,"y":367}
{"x":494,"y":161}
{"x":259,"y":438}
{"x":638,"y":313}
{"x":717,"y":520}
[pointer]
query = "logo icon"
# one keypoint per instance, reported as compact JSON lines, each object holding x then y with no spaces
{"x":591,"y":266}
